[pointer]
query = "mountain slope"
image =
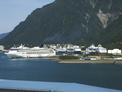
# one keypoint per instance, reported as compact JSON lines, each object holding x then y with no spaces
{"x":67,"y":21}
{"x":3,"y":35}
{"x":113,"y":33}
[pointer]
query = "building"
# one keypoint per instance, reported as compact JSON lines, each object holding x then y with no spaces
{"x":91,"y":49}
{"x":101,"y":49}
{"x":115,"y":52}
{"x":96,"y":49}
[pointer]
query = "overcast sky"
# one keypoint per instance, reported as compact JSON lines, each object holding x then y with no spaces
{"x":12,"y":12}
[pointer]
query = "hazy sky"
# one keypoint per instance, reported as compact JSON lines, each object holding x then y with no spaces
{"x":12,"y":12}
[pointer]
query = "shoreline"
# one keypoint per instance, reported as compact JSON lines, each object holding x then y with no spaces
{"x":75,"y":61}
{"x":78,"y":61}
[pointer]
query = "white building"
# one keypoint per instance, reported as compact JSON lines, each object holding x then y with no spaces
{"x":96,"y":49}
{"x":91,"y":49}
{"x":101,"y":49}
{"x":115,"y":52}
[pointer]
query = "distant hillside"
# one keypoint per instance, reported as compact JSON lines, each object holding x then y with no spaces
{"x":71,"y":21}
{"x":3,"y":35}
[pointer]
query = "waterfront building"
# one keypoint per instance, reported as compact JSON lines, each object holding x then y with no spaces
{"x":101,"y":49}
{"x":61,"y":51}
{"x":115,"y":52}
{"x":95,"y":49}
{"x":91,"y":49}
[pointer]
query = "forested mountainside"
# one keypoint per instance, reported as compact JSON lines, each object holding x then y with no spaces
{"x":71,"y":21}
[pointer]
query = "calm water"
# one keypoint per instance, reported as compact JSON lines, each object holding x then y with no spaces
{"x":104,"y":75}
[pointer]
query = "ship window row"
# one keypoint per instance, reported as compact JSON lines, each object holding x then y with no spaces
{"x":37,"y":52}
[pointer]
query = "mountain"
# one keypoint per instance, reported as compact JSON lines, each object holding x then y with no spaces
{"x":70,"y":21}
{"x":3,"y":35}
{"x":113,"y":33}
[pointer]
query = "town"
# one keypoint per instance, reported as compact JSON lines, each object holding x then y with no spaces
{"x":66,"y":51}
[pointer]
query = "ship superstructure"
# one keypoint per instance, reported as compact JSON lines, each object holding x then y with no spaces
{"x":27,"y":52}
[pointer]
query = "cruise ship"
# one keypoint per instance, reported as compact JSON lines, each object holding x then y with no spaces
{"x":26,"y":52}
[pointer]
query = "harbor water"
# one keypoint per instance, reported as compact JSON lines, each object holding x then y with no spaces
{"x":45,"y":70}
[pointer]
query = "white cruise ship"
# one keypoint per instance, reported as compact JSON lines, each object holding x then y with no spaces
{"x":26,"y":52}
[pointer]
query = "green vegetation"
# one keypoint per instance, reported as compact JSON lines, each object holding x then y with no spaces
{"x":68,"y":57}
